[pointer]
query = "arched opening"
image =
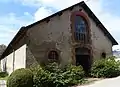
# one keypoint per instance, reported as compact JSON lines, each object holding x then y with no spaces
{"x":53,"y":55}
{"x":103,"y":55}
{"x":83,"y":58}
{"x":80,"y":27}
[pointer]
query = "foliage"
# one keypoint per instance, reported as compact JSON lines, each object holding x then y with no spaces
{"x":50,"y":75}
{"x":20,"y":78}
{"x":108,"y":67}
{"x":3,"y":74}
{"x":2,"y":48}
{"x":73,"y":74}
{"x":41,"y":77}
{"x":54,"y":76}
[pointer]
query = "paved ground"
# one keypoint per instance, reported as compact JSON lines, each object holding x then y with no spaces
{"x":114,"y":82}
{"x":2,"y":83}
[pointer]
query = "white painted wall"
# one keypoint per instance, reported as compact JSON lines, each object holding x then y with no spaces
{"x":20,"y":57}
{"x":19,"y":61}
{"x":3,"y":64}
{"x":9,"y":63}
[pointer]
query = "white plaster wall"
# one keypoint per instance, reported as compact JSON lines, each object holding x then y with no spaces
{"x":3,"y":64}
{"x":9,"y":63}
{"x":19,"y":61}
{"x":20,"y":57}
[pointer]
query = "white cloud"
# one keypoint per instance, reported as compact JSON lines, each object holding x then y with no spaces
{"x":30,"y":3}
{"x":110,"y":21}
{"x":58,"y":4}
{"x":44,"y":10}
{"x":42,"y":13}
{"x":6,"y":34}
{"x":10,"y":24}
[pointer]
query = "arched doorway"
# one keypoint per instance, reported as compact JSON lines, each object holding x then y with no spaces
{"x":83,"y":58}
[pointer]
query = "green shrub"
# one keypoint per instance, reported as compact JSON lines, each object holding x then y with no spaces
{"x":20,"y":78}
{"x":53,"y":67}
{"x":53,"y":76}
{"x":73,"y":75}
{"x":3,"y":74}
{"x":106,"y":68}
{"x":41,"y":78}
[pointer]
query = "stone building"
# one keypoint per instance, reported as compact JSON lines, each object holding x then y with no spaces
{"x":74,"y":35}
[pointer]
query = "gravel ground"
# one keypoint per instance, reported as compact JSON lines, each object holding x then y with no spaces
{"x":112,"y":82}
{"x":2,"y":83}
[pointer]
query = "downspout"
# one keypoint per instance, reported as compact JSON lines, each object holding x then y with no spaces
{"x":13,"y":57}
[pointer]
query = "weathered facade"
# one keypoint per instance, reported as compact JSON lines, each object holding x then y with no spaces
{"x":73,"y":35}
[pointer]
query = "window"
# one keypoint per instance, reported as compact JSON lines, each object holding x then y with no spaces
{"x":103,"y":55}
{"x":80,"y":31}
{"x":53,"y":55}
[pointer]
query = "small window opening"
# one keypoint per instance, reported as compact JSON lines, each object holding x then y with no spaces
{"x":103,"y":55}
{"x":53,"y":55}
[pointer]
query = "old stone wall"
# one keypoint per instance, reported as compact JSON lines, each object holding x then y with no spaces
{"x":52,"y":35}
{"x":57,"y":34}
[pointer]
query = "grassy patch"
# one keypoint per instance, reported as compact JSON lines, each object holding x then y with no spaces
{"x":4,"y":78}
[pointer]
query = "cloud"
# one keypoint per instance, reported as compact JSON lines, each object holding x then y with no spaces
{"x":31,"y":3}
{"x":48,"y":7}
{"x":6,"y":34}
{"x":42,"y":13}
{"x":10,"y":24}
{"x":110,"y":21}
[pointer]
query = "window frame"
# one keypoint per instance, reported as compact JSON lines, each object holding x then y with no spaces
{"x":81,"y":14}
{"x":53,"y":59}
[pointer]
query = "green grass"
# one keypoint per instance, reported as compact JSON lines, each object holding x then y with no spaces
{"x":4,"y":78}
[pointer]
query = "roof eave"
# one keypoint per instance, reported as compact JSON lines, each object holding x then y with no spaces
{"x":12,"y":42}
{"x":94,"y":18}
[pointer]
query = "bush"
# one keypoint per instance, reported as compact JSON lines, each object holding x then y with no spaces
{"x":20,"y":78}
{"x":3,"y":74}
{"x":73,"y":75}
{"x":53,"y":76}
{"x":106,"y":68}
{"x":41,"y":78}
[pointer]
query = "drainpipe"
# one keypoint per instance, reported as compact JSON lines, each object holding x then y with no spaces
{"x":13,"y":57}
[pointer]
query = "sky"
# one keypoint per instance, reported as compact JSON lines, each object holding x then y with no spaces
{"x":17,"y":13}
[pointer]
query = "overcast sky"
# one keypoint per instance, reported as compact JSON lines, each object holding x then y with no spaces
{"x":17,"y":13}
